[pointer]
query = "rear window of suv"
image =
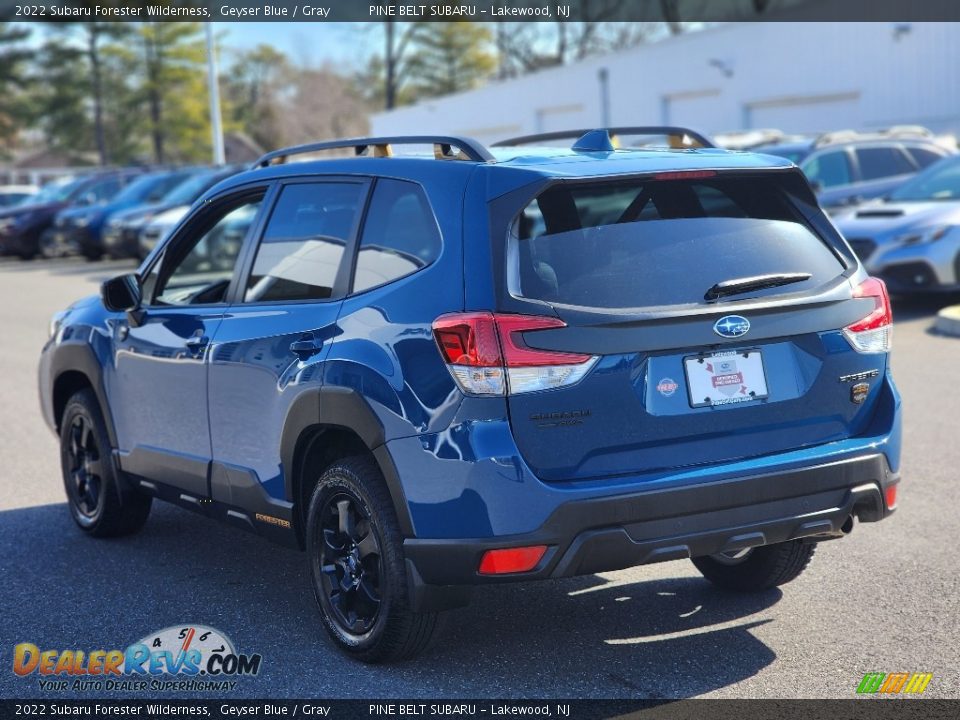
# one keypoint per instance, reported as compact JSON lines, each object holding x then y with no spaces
{"x":647,"y":243}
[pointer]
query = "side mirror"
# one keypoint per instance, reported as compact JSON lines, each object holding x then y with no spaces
{"x":122,"y":293}
{"x":87,"y":199}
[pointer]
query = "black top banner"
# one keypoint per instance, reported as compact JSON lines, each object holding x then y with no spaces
{"x":481,"y":11}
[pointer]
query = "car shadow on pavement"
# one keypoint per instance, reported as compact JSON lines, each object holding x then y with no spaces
{"x":578,"y":638}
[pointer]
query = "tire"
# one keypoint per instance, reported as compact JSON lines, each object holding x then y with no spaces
{"x":363,"y":601}
{"x":97,"y":503}
{"x":759,"y":569}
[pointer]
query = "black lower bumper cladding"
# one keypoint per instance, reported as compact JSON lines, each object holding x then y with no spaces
{"x":612,"y":533}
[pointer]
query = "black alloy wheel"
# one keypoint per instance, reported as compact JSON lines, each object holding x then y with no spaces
{"x":102,"y":501}
{"x":85,"y":469}
{"x":350,"y":564}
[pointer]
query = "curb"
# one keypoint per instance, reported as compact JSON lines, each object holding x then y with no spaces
{"x":948,"y":321}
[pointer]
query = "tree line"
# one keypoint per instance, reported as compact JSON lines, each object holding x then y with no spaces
{"x":118,"y":93}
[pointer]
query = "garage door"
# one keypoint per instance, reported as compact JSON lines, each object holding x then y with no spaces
{"x":806,"y":114}
{"x":692,"y":109}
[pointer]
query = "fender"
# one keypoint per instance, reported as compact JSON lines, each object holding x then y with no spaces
{"x":339,"y":407}
{"x":78,"y":356}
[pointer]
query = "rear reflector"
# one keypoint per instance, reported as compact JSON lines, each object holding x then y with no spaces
{"x":874,"y":333}
{"x":511,"y":560}
{"x":891,"y":497}
{"x":487,"y":355}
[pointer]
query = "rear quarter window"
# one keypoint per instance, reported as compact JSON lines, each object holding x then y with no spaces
{"x":654,"y":243}
{"x":882,"y":162}
{"x":400,"y":235}
{"x":924,"y":157}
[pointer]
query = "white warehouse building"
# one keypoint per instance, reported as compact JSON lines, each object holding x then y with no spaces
{"x":795,"y":77}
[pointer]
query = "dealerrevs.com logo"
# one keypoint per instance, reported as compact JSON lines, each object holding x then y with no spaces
{"x":180,"y":657}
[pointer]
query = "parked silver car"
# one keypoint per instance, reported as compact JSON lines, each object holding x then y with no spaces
{"x":911,"y":239}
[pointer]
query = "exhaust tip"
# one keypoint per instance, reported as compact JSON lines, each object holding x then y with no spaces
{"x":847,"y":526}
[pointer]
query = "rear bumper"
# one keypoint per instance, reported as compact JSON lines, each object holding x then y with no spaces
{"x":620,"y":531}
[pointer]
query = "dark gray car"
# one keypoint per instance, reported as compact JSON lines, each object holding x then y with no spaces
{"x":844,"y":174}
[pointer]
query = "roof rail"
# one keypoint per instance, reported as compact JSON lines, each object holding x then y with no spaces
{"x":915,"y":132}
{"x":671,"y":131}
{"x":445,"y":147}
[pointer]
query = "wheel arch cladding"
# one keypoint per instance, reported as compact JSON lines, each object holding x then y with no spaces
{"x":73,"y":368}
{"x":324,"y":427}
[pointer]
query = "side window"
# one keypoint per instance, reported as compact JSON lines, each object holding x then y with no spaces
{"x":400,"y":235}
{"x":882,"y":162}
{"x":106,"y":189}
{"x":923,"y":156}
{"x":829,"y":169}
{"x":198,"y":271}
{"x":304,"y":241}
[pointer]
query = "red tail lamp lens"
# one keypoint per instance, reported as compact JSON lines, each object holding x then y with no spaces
{"x":882,"y":315}
{"x":511,"y":560}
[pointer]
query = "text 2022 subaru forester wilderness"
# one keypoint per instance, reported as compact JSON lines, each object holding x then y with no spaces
{"x":468,"y":367}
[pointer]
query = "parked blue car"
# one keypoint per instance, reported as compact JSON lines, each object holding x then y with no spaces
{"x":477,"y":366}
{"x":80,"y":229}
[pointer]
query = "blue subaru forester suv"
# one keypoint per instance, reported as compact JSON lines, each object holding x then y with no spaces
{"x":476,"y":366}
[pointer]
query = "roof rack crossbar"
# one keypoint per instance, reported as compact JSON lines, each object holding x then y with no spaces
{"x":670,"y":130}
{"x":445,"y":147}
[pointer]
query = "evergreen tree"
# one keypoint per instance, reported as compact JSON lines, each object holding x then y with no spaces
{"x":450,"y":57}
{"x":174,"y":90}
{"x":13,"y":60}
{"x":252,"y":89}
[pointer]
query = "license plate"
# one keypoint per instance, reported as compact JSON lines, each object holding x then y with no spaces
{"x":725,"y":378}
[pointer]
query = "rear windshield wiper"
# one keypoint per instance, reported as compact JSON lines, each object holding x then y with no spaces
{"x":757,"y":282}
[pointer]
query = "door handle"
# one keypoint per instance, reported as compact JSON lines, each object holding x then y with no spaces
{"x":196,"y":344}
{"x":306,"y":346}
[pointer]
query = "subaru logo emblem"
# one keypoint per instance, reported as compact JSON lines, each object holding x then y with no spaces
{"x":731,"y":326}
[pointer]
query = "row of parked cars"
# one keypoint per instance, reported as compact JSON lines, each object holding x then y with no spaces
{"x":115,"y":213}
{"x":894,"y":194}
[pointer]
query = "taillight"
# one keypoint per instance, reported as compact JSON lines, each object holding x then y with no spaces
{"x":874,"y":333}
{"x":486,"y":354}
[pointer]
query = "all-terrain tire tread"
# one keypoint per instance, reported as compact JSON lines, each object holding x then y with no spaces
{"x":406,"y":633}
{"x":119,"y":516}
{"x":766,"y":567}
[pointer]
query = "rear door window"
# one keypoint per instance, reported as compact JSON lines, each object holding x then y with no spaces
{"x":882,"y":162}
{"x":653,"y":243}
{"x":303,"y":244}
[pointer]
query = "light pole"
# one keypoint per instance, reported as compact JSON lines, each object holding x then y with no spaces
{"x":216,"y":125}
{"x":603,"y":75}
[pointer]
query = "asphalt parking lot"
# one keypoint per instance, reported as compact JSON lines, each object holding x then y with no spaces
{"x":885,"y":599}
